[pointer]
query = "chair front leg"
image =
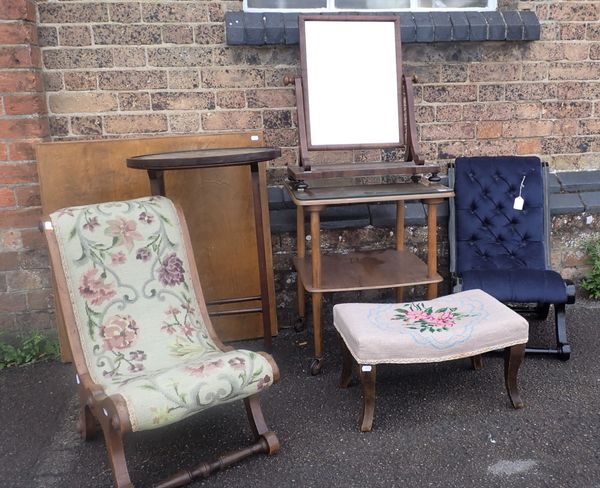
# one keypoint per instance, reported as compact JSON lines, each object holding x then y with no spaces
{"x":259,"y":425}
{"x":513,"y":357}
{"x":116,"y":455}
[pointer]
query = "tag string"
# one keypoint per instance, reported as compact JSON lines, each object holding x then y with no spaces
{"x":522,"y":185}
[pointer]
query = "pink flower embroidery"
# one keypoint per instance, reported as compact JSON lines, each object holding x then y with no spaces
{"x":206,"y":368}
{"x":92,"y":223}
{"x":146,"y":217}
{"x":94,"y":289}
{"x":119,"y":332}
{"x":237,"y":363}
{"x":172,"y":310}
{"x":417,"y":315}
{"x":125,"y":232}
{"x":443,"y":319}
{"x":168,"y":328}
{"x":118,"y":258}
{"x":143,"y":254}
{"x":171,"y":270}
{"x":264,"y":382}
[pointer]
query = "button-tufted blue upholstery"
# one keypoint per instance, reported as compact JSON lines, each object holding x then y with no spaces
{"x":499,"y":249}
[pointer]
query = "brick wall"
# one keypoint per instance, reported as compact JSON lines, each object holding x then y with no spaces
{"x":129,"y":68}
{"x":24,"y":287}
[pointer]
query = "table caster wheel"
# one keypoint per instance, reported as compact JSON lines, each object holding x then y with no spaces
{"x":300,"y":324}
{"x":315,"y":366}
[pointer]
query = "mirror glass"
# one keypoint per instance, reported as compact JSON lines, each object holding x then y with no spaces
{"x":351,"y":83}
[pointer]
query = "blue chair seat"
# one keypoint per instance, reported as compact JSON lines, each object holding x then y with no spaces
{"x":518,"y":285}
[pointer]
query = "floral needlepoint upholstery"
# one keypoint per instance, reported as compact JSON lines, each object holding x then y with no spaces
{"x":460,"y":325}
{"x":138,"y":318}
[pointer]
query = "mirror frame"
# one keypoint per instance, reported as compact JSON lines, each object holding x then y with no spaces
{"x":302,"y":20}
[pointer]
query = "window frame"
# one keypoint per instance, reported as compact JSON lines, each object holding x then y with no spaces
{"x":492,"y":6}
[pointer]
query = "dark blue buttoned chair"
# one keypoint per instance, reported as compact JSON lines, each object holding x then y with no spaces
{"x":502,"y":250}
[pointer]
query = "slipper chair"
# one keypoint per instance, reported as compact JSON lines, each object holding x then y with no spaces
{"x":144,"y":348}
{"x":499,"y":236}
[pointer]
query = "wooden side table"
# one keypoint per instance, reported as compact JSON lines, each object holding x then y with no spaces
{"x":156,"y":164}
{"x":363,"y":270}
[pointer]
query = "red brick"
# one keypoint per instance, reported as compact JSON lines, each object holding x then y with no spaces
{"x":574,"y":71}
{"x":489,"y":130}
{"x":21,"y":218}
{"x":3,"y":151}
{"x":495,"y":72}
{"x":17,"y":10}
{"x":7,"y":197}
{"x":40,"y":299}
{"x":574,"y":11}
{"x":25,"y":104}
{"x":13,"y":302}
{"x":20,"y":57}
{"x":20,"y":81}
{"x":11,"y":240}
{"x":563,"y":110}
{"x":18,"y":34}
{"x":28,"y":196}
{"x":8,"y":260}
{"x":18,"y":128}
{"x":18,"y":173}
{"x":28,"y":279}
{"x":527,"y":128}
{"x":23,"y":150}
{"x":231,"y":120}
{"x":33,"y":239}
{"x":448,"y":113}
{"x":445,"y":132}
{"x":529,"y":146}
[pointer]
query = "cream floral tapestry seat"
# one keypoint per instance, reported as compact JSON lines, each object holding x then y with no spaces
{"x":144,"y":348}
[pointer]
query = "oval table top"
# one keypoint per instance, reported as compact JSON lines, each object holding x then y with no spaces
{"x":203,"y":158}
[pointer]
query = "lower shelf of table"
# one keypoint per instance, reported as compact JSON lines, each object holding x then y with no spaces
{"x":365,"y":271}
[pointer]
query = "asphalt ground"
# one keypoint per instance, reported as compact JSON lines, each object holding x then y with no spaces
{"x":441,"y":425}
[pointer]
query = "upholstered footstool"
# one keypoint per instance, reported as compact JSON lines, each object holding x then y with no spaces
{"x":461,"y":325}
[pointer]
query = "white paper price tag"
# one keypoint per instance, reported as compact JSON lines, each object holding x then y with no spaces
{"x":519,"y":202}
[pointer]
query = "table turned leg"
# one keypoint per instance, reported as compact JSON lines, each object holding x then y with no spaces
{"x":400,"y":242}
{"x":317,"y":297}
{"x":157,"y":182}
{"x":432,"y":291}
{"x":262,"y":258}
{"x":367,"y":378}
{"x":301,"y":251}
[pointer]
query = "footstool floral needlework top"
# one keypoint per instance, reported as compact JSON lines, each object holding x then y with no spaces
{"x":138,"y":317}
{"x":423,"y":318}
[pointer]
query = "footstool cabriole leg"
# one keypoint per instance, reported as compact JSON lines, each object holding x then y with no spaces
{"x":347,"y":360}
{"x":513,"y":357}
{"x":477,"y":362}
{"x":367,"y":378}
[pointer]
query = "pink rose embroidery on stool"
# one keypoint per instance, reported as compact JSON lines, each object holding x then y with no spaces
{"x":426,"y":319}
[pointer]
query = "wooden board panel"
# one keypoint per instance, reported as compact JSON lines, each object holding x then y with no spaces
{"x":216,"y":203}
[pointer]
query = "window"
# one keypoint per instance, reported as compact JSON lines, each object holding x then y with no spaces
{"x":370,"y":5}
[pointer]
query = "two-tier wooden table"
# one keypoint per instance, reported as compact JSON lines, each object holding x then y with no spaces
{"x":156,"y":164}
{"x":362,"y":270}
